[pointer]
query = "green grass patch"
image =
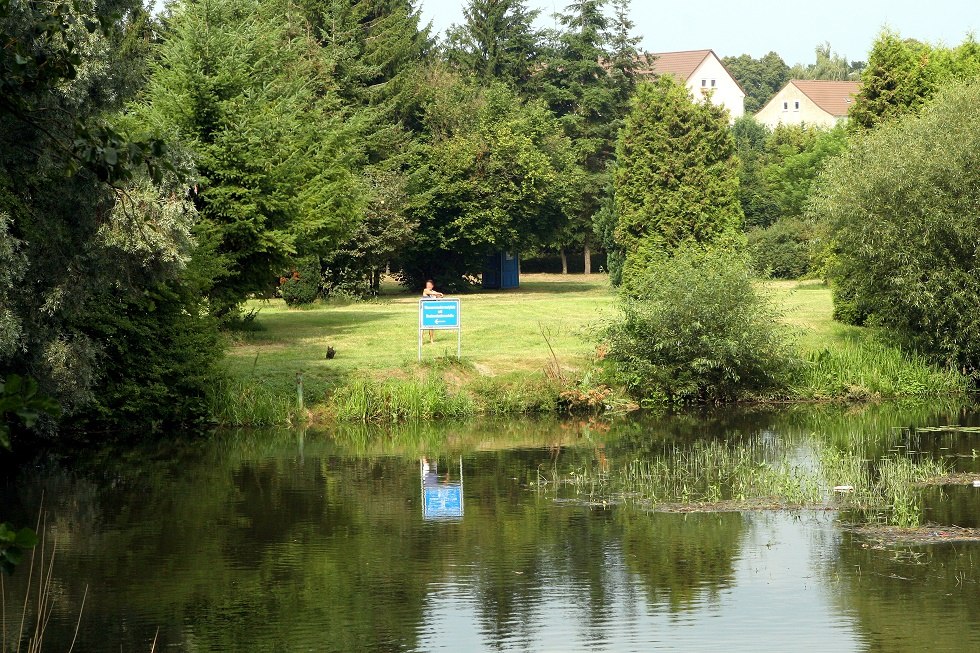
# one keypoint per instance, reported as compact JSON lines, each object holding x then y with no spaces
{"x":839,"y":361}
{"x":399,"y":400}
{"x":508,"y":367}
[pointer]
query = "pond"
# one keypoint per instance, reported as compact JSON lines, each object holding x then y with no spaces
{"x":719,"y":531}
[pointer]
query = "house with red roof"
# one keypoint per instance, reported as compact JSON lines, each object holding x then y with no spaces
{"x":816,"y":102}
{"x":705,"y":76}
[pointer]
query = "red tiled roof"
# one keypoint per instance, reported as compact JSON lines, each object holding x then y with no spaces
{"x":679,"y":64}
{"x":833,"y":97}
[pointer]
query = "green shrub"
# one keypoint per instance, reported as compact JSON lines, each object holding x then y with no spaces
{"x":695,"y":330}
{"x":783,"y":249}
{"x":301,"y":284}
{"x":903,"y":201}
{"x":159,"y":358}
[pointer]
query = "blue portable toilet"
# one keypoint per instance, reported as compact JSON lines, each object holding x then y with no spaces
{"x":501,"y":271}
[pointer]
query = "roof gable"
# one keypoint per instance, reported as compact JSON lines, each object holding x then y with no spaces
{"x":833,"y":97}
{"x":679,"y":64}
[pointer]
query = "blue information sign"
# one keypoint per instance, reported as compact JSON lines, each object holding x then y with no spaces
{"x":439,"y":314}
{"x":442,"y":502}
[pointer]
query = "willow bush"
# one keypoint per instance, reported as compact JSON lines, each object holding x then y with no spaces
{"x":903,"y":203}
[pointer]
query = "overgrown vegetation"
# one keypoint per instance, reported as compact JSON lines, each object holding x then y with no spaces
{"x":695,"y":329}
{"x":902,"y":203}
{"x":737,"y":476}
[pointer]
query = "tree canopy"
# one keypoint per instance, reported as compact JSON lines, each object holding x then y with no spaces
{"x":497,"y":175}
{"x":676,"y":178}
{"x":761,"y":78}
{"x":903,"y":74}
{"x":903,"y":205}
{"x":239,"y":84}
{"x":497,"y":42}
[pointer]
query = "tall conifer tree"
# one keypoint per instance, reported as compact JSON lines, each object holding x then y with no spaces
{"x":496,"y":42}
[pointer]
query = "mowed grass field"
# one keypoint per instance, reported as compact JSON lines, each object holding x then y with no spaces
{"x":504,"y":337}
{"x":502,"y":333}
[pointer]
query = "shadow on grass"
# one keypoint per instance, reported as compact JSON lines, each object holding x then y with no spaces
{"x":327,"y":322}
{"x":549,"y":288}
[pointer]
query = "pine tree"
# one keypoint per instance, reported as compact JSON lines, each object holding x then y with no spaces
{"x":676,"y":175}
{"x":587,"y":81}
{"x":496,"y":42}
{"x":242,"y":84}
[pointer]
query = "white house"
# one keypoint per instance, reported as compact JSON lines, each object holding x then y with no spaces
{"x":816,"y":102}
{"x":705,"y":75}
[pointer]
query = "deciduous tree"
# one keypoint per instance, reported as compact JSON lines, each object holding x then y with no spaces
{"x":903,"y":204}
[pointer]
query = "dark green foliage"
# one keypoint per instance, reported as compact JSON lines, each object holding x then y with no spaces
{"x":377,"y":48}
{"x":587,"y":80}
{"x":798,"y":154}
{"x":676,"y":178}
{"x":903,"y":205}
{"x":243,"y":84}
{"x":903,"y":74}
{"x":782,"y":250}
{"x":848,"y":307}
{"x":21,"y":404}
{"x":496,"y":43}
{"x":92,"y":218}
{"x":761,"y":78}
{"x":13,"y":544}
{"x":375,"y":53}
{"x":385,"y":229}
{"x":696,"y":331}
{"x":496,"y":177}
{"x":301,"y":283}
{"x":158,"y":360}
{"x":759,"y":206}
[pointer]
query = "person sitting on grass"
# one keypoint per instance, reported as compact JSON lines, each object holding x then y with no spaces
{"x":430,"y":292}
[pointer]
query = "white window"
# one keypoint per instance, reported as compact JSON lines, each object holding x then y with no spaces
{"x":796,"y":106}
{"x":785,"y":106}
{"x":712,"y":83}
{"x":704,"y":83}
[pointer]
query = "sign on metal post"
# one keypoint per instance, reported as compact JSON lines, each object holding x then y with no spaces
{"x":441,"y":315}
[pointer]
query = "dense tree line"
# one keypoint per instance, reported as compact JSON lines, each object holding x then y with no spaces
{"x":157,"y":171}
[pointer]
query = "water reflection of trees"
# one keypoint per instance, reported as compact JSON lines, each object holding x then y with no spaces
{"x":288,"y":542}
{"x":910,"y":599}
{"x":245,"y":549}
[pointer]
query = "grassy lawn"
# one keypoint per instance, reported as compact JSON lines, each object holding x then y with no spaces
{"x":809,"y":308}
{"x":505,"y":350}
{"x":502,"y":333}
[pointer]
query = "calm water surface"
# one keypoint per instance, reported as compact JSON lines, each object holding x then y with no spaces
{"x":345,"y":541}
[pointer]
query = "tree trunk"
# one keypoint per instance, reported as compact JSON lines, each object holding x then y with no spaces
{"x":588,"y":256}
{"x":564,"y":261}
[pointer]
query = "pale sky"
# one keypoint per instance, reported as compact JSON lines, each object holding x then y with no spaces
{"x":791,"y":28}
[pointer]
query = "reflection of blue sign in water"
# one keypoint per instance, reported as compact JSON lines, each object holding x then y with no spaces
{"x":439,"y":314}
{"x":440,"y":500}
{"x":443,"y":501}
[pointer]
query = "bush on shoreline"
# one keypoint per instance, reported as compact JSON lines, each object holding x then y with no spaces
{"x":696,"y":331}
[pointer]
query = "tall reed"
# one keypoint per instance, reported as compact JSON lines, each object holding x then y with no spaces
{"x":747,"y":475}
{"x":248,"y":402}
{"x":397,"y":400}
{"x":868,"y":369}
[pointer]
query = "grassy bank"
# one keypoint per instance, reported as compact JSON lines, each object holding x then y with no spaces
{"x":524,"y":351}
